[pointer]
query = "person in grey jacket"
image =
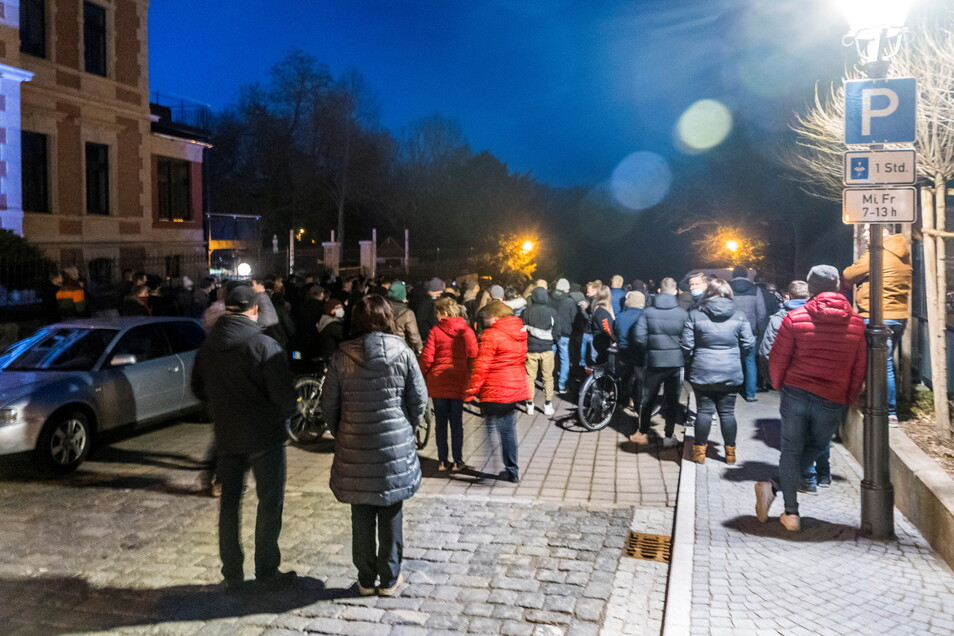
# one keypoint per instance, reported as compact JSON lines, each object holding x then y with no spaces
{"x":244,"y":376}
{"x":797,"y":297}
{"x":658,"y":331}
{"x":715,"y":340}
{"x":373,"y":396}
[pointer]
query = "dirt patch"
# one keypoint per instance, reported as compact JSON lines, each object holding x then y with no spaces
{"x":922,"y":432}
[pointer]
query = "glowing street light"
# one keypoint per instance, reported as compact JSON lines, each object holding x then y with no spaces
{"x":527,"y":246}
{"x":732,"y":246}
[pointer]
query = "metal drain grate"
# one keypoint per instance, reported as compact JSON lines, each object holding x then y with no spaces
{"x":649,"y":547}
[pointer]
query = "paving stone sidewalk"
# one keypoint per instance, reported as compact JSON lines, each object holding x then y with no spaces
{"x":753,"y":578}
{"x":126,"y":546}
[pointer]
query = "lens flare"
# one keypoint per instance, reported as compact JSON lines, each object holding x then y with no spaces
{"x":641,"y":180}
{"x":703,"y":126}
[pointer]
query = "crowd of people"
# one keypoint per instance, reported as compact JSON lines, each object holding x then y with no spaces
{"x":388,"y":347}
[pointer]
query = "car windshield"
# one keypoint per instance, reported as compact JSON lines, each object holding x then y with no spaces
{"x":60,"y":349}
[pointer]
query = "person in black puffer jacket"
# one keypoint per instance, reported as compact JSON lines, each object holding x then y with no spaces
{"x":244,"y":376}
{"x":658,"y":331}
{"x":750,"y":301}
{"x":567,"y":310}
{"x":373,"y":396}
{"x":541,"y":326}
{"x":715,"y":340}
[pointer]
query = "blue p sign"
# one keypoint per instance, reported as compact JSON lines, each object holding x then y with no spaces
{"x":859,"y":168}
{"x":880,"y":111}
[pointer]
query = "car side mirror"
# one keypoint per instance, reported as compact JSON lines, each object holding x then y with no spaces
{"x":122,"y":360}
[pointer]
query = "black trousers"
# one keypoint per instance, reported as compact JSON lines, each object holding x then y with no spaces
{"x":379,"y":560}
{"x":269,"y":469}
{"x":671,"y":380}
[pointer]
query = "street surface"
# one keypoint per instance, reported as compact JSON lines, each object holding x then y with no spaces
{"x":750,"y":578}
{"x":125,"y":545}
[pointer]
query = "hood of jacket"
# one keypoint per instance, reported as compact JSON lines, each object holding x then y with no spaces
{"x":897,"y":244}
{"x":829,"y":307}
{"x":742,"y":286}
{"x":539,"y":296}
{"x":511,"y":327}
{"x":665,"y":301}
{"x":326,"y":320}
{"x":453,"y":326}
{"x":718,"y":309}
{"x":515,"y":303}
{"x":232,"y":330}
{"x":794,"y":303}
{"x":375,"y":351}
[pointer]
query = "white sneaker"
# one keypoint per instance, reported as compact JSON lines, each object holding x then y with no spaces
{"x":529,"y":408}
{"x":764,"y":496}
{"x":669,"y":442}
{"x":548,"y":408}
{"x":893,"y":420}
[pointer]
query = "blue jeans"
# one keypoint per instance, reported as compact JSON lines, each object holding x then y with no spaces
{"x":563,"y":354}
{"x":751,"y":373}
{"x":808,"y":424}
{"x":268,"y":467}
{"x":586,"y":349}
{"x":821,"y":469}
{"x":505,"y":425}
{"x":380,"y":559}
{"x":449,"y":411}
{"x":897,"y":330}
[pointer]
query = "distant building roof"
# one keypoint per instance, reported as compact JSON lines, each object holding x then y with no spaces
{"x":389,"y":248}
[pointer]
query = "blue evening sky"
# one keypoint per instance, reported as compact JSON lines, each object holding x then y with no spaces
{"x":561,"y":89}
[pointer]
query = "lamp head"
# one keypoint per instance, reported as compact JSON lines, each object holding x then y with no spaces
{"x":868,"y":15}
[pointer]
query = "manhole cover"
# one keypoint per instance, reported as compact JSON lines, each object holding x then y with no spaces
{"x":649,"y":547}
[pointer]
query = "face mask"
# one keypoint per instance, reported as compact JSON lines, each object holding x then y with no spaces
{"x":339,"y":313}
{"x":696,"y":292}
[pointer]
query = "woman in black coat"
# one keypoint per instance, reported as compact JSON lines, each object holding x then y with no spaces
{"x":373,"y":392}
{"x":715,"y":339}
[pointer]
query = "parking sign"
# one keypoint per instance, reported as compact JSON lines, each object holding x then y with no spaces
{"x":880,"y":111}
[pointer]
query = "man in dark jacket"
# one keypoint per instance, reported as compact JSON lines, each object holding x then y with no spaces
{"x":541,"y":322}
{"x":748,"y":299}
{"x":422,"y":304}
{"x":658,"y":331}
{"x":243,"y":375}
{"x":566,"y":309}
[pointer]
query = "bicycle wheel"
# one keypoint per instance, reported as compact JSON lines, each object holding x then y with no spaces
{"x":597,"y":402}
{"x":306,"y":424}
{"x":423,"y":431}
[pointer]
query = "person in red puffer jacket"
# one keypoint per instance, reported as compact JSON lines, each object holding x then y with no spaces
{"x":499,"y":378}
{"x":818,"y":363}
{"x":445,"y":363}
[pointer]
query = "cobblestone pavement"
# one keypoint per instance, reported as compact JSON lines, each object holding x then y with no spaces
{"x":126,"y":545}
{"x":750,"y":578}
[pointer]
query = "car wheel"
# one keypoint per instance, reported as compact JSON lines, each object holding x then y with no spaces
{"x":64,"y":442}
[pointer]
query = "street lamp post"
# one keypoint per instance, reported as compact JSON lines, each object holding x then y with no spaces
{"x":873,"y":23}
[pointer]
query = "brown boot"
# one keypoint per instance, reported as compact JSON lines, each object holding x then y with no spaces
{"x":699,"y":453}
{"x":730,"y":454}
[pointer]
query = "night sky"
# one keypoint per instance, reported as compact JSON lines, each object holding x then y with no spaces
{"x":562,"y":89}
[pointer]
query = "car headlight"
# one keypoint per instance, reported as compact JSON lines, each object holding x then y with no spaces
{"x":8,"y":415}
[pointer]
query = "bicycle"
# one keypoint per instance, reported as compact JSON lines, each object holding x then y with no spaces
{"x":307,"y":424}
{"x":422,"y":432}
{"x":599,"y":395}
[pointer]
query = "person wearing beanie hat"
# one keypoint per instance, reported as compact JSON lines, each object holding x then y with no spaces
{"x":567,"y":310}
{"x":243,"y":374}
{"x":435,"y":286}
{"x":405,"y":323}
{"x":496,"y":292}
{"x":822,"y":278}
{"x":630,"y":358}
{"x":818,"y":364}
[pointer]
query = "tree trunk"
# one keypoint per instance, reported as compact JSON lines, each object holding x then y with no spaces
{"x":935,"y":324}
{"x":940,"y":396}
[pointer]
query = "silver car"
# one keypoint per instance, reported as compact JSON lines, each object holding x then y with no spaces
{"x":72,"y":381}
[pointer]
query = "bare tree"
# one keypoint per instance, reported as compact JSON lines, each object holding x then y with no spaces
{"x":816,"y":162}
